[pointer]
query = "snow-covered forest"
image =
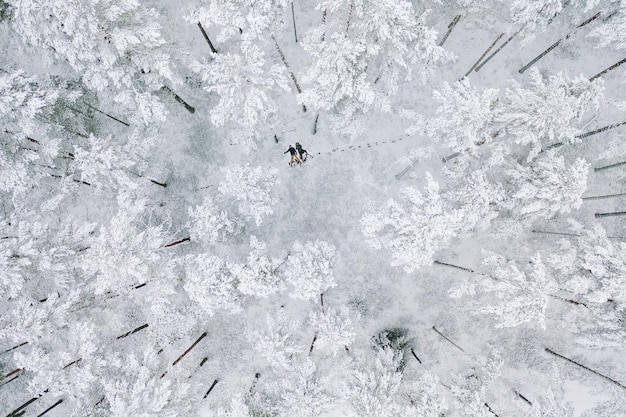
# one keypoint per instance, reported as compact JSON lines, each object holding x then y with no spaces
{"x":453,"y":245}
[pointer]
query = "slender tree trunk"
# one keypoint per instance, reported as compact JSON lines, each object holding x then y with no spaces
{"x":600,"y":197}
{"x":497,"y":50}
{"x":210,"y":389}
{"x":453,"y":266}
{"x":415,"y":356}
{"x":293,"y":17}
{"x":324,"y":23}
{"x":187,"y":106}
{"x":450,"y":157}
{"x":615,"y":213}
{"x":190,"y":348}
{"x":612,"y":67}
{"x":206,"y":37}
{"x":609,"y":166}
{"x":13,"y":372}
{"x":554,"y":45}
{"x":522,"y":397}
{"x":293,"y":77}
{"x":16,"y":346}
{"x":567,"y":300}
{"x":490,"y":410}
{"x":442,"y":335}
{"x":349,"y":20}
{"x":50,"y":408}
{"x":314,"y":130}
{"x":178,"y":242}
{"x":313,"y":343}
{"x":595,"y":132}
{"x":483,"y":55}
{"x":72,"y":363}
{"x":555,"y":233}
{"x":450,"y":27}
{"x":107,"y":115}
{"x":6,"y":382}
{"x":16,"y":412}
{"x":254,"y":382}
{"x":584,"y":367}
{"x":132,"y":331}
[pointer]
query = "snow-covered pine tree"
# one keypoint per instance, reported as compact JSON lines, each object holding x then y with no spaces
{"x":210,"y":284}
{"x":543,"y":113}
{"x":534,"y":17}
{"x":309,"y":269}
{"x":470,"y":386}
{"x":258,"y":277}
{"x":209,"y":224}
{"x":465,"y":117}
{"x":518,"y":296}
{"x":251,"y":190}
{"x":247,"y":87}
{"x":334,"y":328}
{"x":278,"y":343}
{"x":127,"y":252}
{"x":416,"y":230}
{"x":253,"y":19}
{"x":548,"y":188}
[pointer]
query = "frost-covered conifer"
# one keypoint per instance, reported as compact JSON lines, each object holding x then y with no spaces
{"x":519,"y":296}
{"x":210,"y":283}
{"x":254,"y":18}
{"x":258,"y":277}
{"x":252,"y":189}
{"x":108,"y":42}
{"x":237,"y":408}
{"x":278,"y":343}
{"x":544,"y":113}
{"x":375,"y":387}
{"x":469,"y":387}
{"x":416,"y":230}
{"x":138,"y":389}
{"x":533,"y":17}
{"x":309,"y":269}
{"x":549,"y":187}
{"x":126,"y":253}
{"x":209,"y":224}
{"x":334,"y":328}
{"x":465,"y":116}
{"x":246,"y":86}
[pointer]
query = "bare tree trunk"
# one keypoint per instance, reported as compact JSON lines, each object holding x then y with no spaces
{"x":254,"y":382}
{"x":600,"y":197}
{"x":187,"y":106}
{"x":554,"y":45}
{"x":584,"y":367}
{"x":490,"y":410}
{"x":450,"y":27}
{"x":324,"y":23}
{"x":293,"y":77}
{"x":415,"y":356}
{"x":349,"y":15}
{"x":293,"y":17}
{"x":497,"y":50}
{"x":210,"y":389}
{"x":107,"y":115}
{"x":16,"y":346}
{"x":132,"y":331}
{"x":206,"y":37}
{"x":50,"y":408}
{"x":178,"y":242}
{"x":190,"y":347}
{"x":612,"y":67}
{"x":615,"y":213}
{"x":313,"y":343}
{"x":609,"y":166}
{"x":442,"y":335}
{"x":522,"y":397}
{"x":453,"y":266}
{"x":314,"y":131}
{"x":483,"y":55}
{"x":595,"y":132}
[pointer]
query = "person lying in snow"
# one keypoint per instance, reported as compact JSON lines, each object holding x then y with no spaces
{"x":303,"y":153}
{"x":294,"y":156}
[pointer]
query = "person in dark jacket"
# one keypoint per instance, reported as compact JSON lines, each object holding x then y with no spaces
{"x":303,"y":153}
{"x":294,"y":156}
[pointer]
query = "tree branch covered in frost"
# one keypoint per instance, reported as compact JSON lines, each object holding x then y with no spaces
{"x":252,"y":189}
{"x":470,"y":386}
{"x":209,"y":224}
{"x":258,"y":277}
{"x":611,"y":32}
{"x":278,"y":343}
